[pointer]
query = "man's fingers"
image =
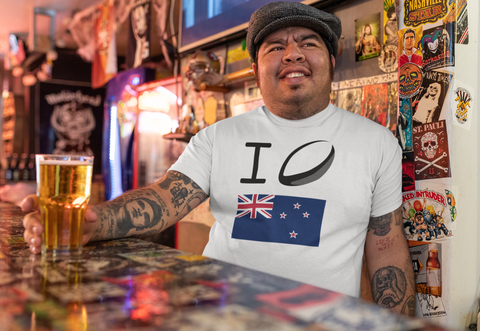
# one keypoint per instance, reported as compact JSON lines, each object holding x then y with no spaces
{"x":33,"y":231}
{"x":29,"y":203}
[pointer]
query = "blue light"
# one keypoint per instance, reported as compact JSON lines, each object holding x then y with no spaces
{"x":135,"y":81}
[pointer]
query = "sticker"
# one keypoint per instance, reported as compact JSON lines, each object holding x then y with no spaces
{"x":391,"y":24}
{"x":409,"y":41}
{"x":86,"y":292}
{"x":13,"y":240}
{"x":388,"y":60}
{"x":462,"y":22}
{"x":408,"y":172}
{"x":409,"y":80}
{"x":463,"y":99}
{"x":193,"y":295}
{"x":374,"y":103}
{"x":428,"y":105}
{"x":425,"y":216}
{"x":191,"y":258}
{"x":437,"y":45}
{"x":404,"y":135}
{"x":160,"y":259}
{"x":430,"y":145}
{"x":94,"y":265}
{"x":451,"y":204}
{"x":427,"y":266}
{"x":422,"y":12}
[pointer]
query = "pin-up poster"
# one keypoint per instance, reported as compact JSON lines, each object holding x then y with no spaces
{"x":367,"y":36}
{"x":427,"y":266}
{"x":351,"y":100}
{"x":426,"y":215}
{"x":428,"y":105}
{"x":374,"y":103}
{"x":430,"y":146}
{"x":437,"y":45}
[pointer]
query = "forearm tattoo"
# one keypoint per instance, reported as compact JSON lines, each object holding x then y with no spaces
{"x":409,"y":306}
{"x":389,"y":286}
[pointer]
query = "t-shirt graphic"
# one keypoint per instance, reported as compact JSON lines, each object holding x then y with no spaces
{"x":279,"y":218}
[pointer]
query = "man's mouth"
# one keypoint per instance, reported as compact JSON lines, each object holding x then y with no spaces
{"x":294,"y":74}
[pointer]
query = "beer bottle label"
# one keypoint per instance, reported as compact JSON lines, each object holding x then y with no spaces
{"x":434,"y":277}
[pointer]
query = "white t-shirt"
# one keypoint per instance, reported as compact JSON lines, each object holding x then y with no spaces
{"x":294,"y":198}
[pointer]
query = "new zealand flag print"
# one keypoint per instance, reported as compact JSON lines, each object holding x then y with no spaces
{"x":279,"y":218}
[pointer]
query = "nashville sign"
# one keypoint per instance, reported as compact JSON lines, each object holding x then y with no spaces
{"x":418,"y":12}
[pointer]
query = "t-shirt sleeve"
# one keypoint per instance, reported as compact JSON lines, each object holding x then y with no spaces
{"x":387,"y":194}
{"x":196,"y":160}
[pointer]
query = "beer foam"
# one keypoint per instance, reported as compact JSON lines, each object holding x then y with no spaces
{"x":66,"y":163}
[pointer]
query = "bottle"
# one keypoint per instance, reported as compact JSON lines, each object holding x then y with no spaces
{"x":8,"y":170}
{"x":15,"y":167}
{"x":32,"y":171}
{"x":24,"y":167}
{"x":434,"y":272}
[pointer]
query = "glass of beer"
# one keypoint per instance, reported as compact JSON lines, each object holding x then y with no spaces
{"x":63,"y":186}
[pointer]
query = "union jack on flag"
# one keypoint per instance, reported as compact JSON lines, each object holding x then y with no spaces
{"x":279,"y":218}
{"x":252,"y":203}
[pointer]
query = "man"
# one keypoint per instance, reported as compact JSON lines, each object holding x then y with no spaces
{"x":409,"y":52}
{"x":282,"y":187}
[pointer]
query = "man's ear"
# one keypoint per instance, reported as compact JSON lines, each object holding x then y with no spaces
{"x":254,"y":68}
{"x":332,"y":58}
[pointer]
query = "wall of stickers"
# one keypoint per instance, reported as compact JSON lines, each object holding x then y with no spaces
{"x":435,"y":109}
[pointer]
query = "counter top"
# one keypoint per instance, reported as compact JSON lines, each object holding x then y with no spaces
{"x":131,"y":284}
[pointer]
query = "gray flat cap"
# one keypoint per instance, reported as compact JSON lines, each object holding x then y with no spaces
{"x":279,"y":15}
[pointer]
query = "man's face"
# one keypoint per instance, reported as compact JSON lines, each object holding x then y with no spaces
{"x":140,"y":212}
{"x":409,"y":40}
{"x":294,"y":71}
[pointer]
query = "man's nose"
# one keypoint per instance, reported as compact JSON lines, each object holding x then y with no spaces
{"x":293,"y":53}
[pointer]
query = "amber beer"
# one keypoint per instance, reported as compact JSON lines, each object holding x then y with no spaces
{"x":63,"y":186}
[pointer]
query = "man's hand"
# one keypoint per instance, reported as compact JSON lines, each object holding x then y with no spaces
{"x":34,"y":229}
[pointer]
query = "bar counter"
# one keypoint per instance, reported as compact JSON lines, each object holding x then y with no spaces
{"x":131,"y":284}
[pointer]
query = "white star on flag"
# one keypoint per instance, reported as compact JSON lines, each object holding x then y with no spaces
{"x":293,"y":234}
{"x":305,"y":215}
{"x":296,"y":206}
{"x":283,"y":215}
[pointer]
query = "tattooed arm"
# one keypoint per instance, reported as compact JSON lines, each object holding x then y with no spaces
{"x":148,"y":210}
{"x":389,"y":264}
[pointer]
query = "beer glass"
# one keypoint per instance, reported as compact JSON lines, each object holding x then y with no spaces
{"x":63,"y":186}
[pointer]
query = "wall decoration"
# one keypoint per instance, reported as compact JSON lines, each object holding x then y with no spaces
{"x":408,"y":172}
{"x":138,"y":49}
{"x":367,"y":32}
{"x":451,"y":204}
{"x":388,"y":60}
{"x":438,"y":47}
{"x":390,"y":29}
{"x":351,"y":100}
{"x":405,"y":125}
{"x":430,"y":145}
{"x":374,"y":103}
{"x":427,"y":266}
{"x":422,"y":12}
{"x":462,"y":22}
{"x":425,"y":215}
{"x":409,"y":40}
{"x":428,"y":105}
{"x":410,"y":79}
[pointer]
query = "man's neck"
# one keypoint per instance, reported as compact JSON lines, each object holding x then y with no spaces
{"x":409,"y":52}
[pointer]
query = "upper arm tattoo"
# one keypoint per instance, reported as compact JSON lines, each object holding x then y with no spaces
{"x":381,"y":225}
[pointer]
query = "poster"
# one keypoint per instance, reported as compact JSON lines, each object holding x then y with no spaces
{"x":404,"y":129}
{"x":104,"y":63}
{"x":427,"y":266}
{"x":138,"y":49}
{"x":426,"y":215}
{"x":462,"y":22}
{"x":351,"y":100}
{"x":430,"y":146}
{"x":71,"y":118}
{"x":388,"y":60}
{"x":367,"y":36}
{"x":374,"y":103}
{"x":428,"y":105}
{"x":408,"y":172}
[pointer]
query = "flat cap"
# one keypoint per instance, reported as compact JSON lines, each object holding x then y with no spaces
{"x":279,"y":15}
